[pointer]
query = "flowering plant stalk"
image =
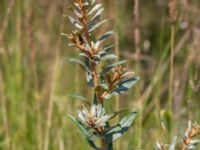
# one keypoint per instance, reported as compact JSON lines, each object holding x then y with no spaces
{"x":111,"y":80}
{"x":189,"y":141}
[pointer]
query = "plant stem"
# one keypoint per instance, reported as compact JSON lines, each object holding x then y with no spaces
{"x":103,"y":144}
{"x":4,"y":114}
{"x":84,"y":20}
{"x":54,"y":76}
{"x":171,"y":75}
{"x":137,"y":41}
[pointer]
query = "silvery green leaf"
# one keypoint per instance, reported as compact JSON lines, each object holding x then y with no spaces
{"x":158,"y":146}
{"x":86,"y":4}
{"x":115,"y":113}
{"x":104,"y":51}
{"x":97,"y":58}
{"x":104,"y":86}
{"x":191,"y":147}
{"x":109,"y":57}
{"x":78,"y":96}
{"x":126,"y":84}
{"x":173,"y":145}
{"x":95,"y":8}
{"x":95,"y":45}
{"x":77,"y":5}
{"x":92,"y":2}
{"x":102,"y":55}
{"x":65,"y":35}
{"x":195,"y":142}
{"x":71,"y":44}
{"x":123,"y":126}
{"x":75,"y":22}
{"x":97,"y":25}
{"x":107,"y":48}
{"x":77,"y":12}
{"x":93,"y":145}
{"x":105,"y":36}
{"x":98,"y":14}
{"x":122,"y":87}
{"x":117,"y":63}
{"x":89,"y":79}
{"x":83,"y":130}
{"x":109,"y":67}
{"x":82,"y":64}
{"x":83,"y":55}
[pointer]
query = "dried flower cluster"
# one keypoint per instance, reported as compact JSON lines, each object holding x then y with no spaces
{"x":188,"y":143}
{"x":95,"y":118}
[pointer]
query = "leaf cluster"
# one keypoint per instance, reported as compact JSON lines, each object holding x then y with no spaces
{"x":189,"y":141}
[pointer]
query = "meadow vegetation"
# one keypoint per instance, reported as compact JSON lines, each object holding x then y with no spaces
{"x":38,"y":85}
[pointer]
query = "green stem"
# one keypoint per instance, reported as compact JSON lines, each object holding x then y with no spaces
{"x":171,"y":75}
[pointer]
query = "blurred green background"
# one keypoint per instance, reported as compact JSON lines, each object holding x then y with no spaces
{"x":36,"y":77}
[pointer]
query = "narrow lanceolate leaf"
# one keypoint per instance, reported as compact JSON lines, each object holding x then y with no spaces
{"x":83,"y":55}
{"x":193,"y":144}
{"x":92,"y":2}
{"x":86,"y":66}
{"x":89,"y":79}
{"x":98,"y":14}
{"x":102,"y":39}
{"x":93,"y":145}
{"x":105,"y":36}
{"x":122,"y":87}
{"x":91,"y":29}
{"x":104,"y":86}
{"x":108,"y":48}
{"x":118,"y":63}
{"x":78,"y":96}
{"x":173,"y":145}
{"x":118,"y":130}
{"x":109,"y":67}
{"x":95,"y":8}
{"x":83,"y":130}
{"x":77,"y":5}
{"x":77,"y":12}
{"x":86,"y":4}
{"x":103,"y":54}
{"x":98,"y":58}
{"x":82,"y":64}
{"x":120,"y":110}
{"x":126,"y":84}
{"x":109,"y":57}
{"x":75,"y":22}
